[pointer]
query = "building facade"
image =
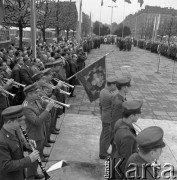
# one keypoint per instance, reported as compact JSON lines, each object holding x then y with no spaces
{"x":142,"y":23}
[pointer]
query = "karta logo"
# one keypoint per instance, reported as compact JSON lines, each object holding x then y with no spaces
{"x":137,"y":171}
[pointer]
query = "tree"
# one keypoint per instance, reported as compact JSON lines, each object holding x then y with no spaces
{"x":104,"y":28}
{"x":114,"y":27}
{"x":45,"y":16}
{"x":126,"y":31}
{"x":17,"y":14}
{"x":86,"y":24}
{"x":66,"y":16}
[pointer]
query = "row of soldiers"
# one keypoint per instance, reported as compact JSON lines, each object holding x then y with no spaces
{"x":124,"y":44}
{"x":37,"y":107}
{"x":38,"y":116}
{"x":119,"y":139}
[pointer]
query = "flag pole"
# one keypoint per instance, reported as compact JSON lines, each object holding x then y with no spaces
{"x":33,"y":26}
{"x":123,"y":21}
{"x":100,"y":16}
{"x":136,"y":20}
{"x":88,"y":66}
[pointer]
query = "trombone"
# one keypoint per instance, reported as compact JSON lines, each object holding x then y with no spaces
{"x":66,"y":84}
{"x":16,"y":83}
{"x":6,"y":92}
{"x":61,"y":91}
{"x":56,"y":104}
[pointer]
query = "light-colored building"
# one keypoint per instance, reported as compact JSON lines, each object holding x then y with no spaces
{"x":142,"y":23}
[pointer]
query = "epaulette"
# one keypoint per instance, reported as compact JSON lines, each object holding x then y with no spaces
{"x":25,"y":103}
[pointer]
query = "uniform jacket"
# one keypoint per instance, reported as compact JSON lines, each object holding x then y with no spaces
{"x":105,"y":105}
{"x":35,"y":120}
{"x":117,"y":109}
{"x":125,"y":143}
{"x":140,"y":163}
{"x":26,"y":75}
{"x":16,"y":73}
{"x":12,"y":161}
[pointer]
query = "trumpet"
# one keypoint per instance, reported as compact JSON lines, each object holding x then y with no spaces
{"x":16,"y":83}
{"x":61,"y":91}
{"x":66,"y":84}
{"x":6,"y":92}
{"x":56,"y":104}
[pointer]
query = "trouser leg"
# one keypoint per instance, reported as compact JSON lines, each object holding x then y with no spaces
{"x":104,"y":139}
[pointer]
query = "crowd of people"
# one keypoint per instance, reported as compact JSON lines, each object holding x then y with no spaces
{"x":130,"y":152}
{"x":124,"y":44}
{"x":32,"y":97}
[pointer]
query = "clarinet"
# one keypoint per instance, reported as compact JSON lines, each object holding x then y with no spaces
{"x":47,"y":177}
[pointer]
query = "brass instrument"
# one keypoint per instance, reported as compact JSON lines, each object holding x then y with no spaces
{"x":66,"y":84}
{"x":16,"y":83}
{"x":6,"y":92}
{"x":56,"y":104}
{"x":61,"y":91}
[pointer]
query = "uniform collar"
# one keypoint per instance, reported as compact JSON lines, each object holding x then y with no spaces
{"x":8,"y":134}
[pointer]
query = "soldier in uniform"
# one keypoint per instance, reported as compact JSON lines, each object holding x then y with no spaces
{"x":106,"y":95}
{"x":125,"y":134}
{"x":123,"y":85}
{"x":12,"y":146}
{"x":35,"y":123}
{"x":150,"y":143}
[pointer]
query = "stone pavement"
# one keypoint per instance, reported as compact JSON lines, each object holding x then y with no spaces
{"x":78,"y":140}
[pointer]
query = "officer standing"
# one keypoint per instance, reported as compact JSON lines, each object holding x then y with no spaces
{"x":123,"y":85}
{"x":12,"y":145}
{"x":124,"y":135}
{"x":106,"y":95}
{"x":150,"y":143}
{"x":35,"y":123}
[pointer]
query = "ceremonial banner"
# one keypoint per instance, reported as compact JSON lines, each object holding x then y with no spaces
{"x":1,"y":11}
{"x":93,"y":78}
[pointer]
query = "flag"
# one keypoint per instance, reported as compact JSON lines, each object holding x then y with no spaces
{"x":114,"y":1}
{"x":101,"y":2}
{"x":1,"y":11}
{"x":141,"y":2}
{"x":93,"y":78}
{"x":128,"y":1}
{"x":153,"y":33}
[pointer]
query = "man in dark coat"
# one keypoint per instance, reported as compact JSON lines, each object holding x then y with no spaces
{"x":106,"y":95}
{"x":19,"y":97}
{"x":26,"y":72}
{"x":73,"y":70}
{"x":124,"y":135}
{"x":12,"y":145}
{"x":150,"y":142}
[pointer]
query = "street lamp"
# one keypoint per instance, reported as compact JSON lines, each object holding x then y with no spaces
{"x":111,"y":16}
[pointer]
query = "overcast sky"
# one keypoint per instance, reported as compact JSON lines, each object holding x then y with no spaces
{"x":93,"y":6}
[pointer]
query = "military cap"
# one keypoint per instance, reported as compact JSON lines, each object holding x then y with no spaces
{"x":125,"y":81}
{"x":133,"y":106}
{"x":30,"y":88}
{"x":13,"y":112}
{"x":37,"y":76}
{"x":111,"y":80}
{"x":47,"y":71}
{"x":151,"y":138}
